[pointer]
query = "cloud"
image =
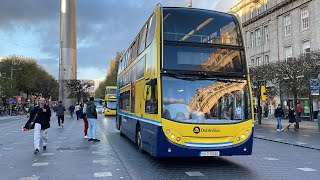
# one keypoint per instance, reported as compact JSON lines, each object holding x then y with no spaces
{"x":103,"y":28}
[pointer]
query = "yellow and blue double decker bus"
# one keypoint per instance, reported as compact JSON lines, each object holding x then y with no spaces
{"x":184,"y":87}
{"x":110,"y":100}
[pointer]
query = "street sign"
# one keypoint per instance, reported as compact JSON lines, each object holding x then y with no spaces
{"x":314,"y":84}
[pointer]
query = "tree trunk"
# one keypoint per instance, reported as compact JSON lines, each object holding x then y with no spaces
{"x":296,"y":110}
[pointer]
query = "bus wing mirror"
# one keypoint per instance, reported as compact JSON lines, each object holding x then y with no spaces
{"x":147,"y":92}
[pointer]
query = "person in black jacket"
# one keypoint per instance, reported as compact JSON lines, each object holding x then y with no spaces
{"x":42,"y":116}
{"x":278,"y":113}
{"x":292,"y":117}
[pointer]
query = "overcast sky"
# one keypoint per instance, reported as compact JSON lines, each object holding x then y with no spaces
{"x":31,"y":28}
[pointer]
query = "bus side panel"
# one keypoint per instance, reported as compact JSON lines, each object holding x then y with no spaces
{"x":128,"y":127}
{"x":148,"y":137}
{"x":163,"y":145}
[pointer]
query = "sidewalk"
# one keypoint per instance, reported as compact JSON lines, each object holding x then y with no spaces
{"x":308,"y":136}
{"x":68,"y":155}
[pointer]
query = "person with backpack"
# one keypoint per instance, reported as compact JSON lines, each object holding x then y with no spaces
{"x":92,"y":120}
{"x":278,"y":113}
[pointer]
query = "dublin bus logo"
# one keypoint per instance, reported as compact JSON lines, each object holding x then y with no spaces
{"x":196,"y":130}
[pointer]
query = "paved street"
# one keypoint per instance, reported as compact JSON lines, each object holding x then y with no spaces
{"x":69,"y":156}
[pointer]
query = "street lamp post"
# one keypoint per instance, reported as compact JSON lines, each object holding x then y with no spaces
{"x":11,"y":75}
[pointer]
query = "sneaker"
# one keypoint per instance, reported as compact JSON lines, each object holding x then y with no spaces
{"x":91,"y":139}
{"x":96,"y":140}
{"x":86,"y":137}
{"x":278,"y":129}
{"x":62,"y":125}
{"x":281,"y":129}
{"x":44,"y":148}
{"x":36,"y":151}
{"x":59,"y":127}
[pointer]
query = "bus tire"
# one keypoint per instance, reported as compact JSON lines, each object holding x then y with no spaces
{"x":120,"y":125}
{"x":139,"y":139}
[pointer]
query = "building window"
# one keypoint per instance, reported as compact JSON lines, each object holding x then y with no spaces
{"x":252,"y":62}
{"x":266,"y":59}
{"x":305,"y":18}
{"x":266,"y":34}
{"x":287,"y":53}
{"x":287,"y":25}
{"x":258,"y":61}
{"x":252,"y":39}
{"x":258,"y":36}
{"x":258,"y":9}
{"x":265,"y":5}
{"x":251,"y":12}
{"x":305,"y":47}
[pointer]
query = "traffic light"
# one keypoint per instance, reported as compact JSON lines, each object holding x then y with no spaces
{"x":263,"y":93}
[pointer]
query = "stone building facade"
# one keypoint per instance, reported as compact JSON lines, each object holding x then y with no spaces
{"x":277,"y":30}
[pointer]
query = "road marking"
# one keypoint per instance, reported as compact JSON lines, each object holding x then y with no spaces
{"x":271,"y":159}
{"x":278,"y":139}
{"x":305,"y":135}
{"x":102,"y":174}
{"x":260,"y":136}
{"x":307,"y":169}
{"x":7,"y":148}
{"x":300,"y":143}
{"x":30,"y":178}
{"x":47,"y":154}
{"x":194,"y":173}
{"x":100,"y":161}
{"x":41,"y":164}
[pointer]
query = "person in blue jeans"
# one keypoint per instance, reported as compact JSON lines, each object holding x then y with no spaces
{"x":278,"y":113}
{"x":92,"y":121}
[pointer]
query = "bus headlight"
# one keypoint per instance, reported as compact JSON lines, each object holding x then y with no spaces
{"x":168,"y":131}
{"x":243,"y":136}
{"x":238,"y":138}
{"x":178,"y":139}
{"x":247,"y":131}
{"x":172,"y":136}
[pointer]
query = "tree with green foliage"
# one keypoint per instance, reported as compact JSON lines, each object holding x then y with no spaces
{"x":22,"y":74}
{"x":78,"y":89}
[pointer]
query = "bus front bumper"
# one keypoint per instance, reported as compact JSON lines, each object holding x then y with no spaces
{"x":166,"y":148}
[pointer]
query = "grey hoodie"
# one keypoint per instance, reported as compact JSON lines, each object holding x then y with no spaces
{"x":60,"y":110}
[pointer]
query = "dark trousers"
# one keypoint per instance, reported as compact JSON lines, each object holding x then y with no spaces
{"x":60,"y":118}
{"x":78,"y":115}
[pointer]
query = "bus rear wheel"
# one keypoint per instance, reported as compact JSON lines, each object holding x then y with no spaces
{"x":139,"y":140}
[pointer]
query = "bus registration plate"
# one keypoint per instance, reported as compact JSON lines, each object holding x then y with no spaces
{"x":210,"y":153}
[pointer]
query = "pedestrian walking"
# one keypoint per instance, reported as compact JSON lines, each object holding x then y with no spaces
{"x":77,"y":109}
{"x":41,"y":124}
{"x":92,"y":118}
{"x":85,"y":120}
{"x":299,"y":111}
{"x":292,"y":117}
{"x":266,"y":110}
{"x":60,"y":113}
{"x":278,"y":113}
{"x":71,"y":110}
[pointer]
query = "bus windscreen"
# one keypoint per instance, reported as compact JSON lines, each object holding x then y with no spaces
{"x":201,"y":27}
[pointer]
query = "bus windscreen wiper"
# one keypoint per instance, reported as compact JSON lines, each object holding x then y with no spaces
{"x":180,"y":76}
{"x":207,"y":76}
